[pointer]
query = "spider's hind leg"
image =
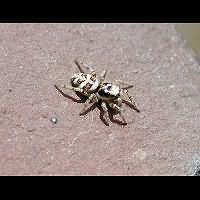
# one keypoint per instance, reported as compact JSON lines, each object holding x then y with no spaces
{"x":130,"y":97}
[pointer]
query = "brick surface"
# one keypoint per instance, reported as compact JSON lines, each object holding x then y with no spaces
{"x":164,"y":139}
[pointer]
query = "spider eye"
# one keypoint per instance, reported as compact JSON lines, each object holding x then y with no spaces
{"x":104,"y":94}
{"x":109,"y":87}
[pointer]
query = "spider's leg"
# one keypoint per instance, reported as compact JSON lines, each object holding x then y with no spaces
{"x":91,"y":69}
{"x":76,"y":89}
{"x":128,"y":85}
{"x":105,"y":109}
{"x":124,"y":91}
{"x":118,"y":109}
{"x":79,"y":65}
{"x":91,"y":99}
{"x":103,"y":75}
{"x":85,"y":106}
{"x":118,"y":101}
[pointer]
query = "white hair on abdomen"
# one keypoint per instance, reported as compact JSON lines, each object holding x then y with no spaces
{"x":83,"y":84}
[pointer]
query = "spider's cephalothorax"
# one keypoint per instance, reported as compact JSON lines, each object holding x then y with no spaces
{"x":108,"y":91}
{"x":96,"y":90}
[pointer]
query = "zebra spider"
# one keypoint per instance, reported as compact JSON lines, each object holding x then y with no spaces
{"x":109,"y":94}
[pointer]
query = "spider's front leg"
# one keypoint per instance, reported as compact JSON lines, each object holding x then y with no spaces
{"x":76,"y":89}
{"x":118,"y":109}
{"x":92,"y":98}
{"x":103,"y":75}
{"x":81,"y":65}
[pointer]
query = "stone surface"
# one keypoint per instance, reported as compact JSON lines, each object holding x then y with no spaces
{"x":164,"y":139}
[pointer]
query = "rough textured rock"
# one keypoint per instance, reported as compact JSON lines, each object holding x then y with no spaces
{"x":164,"y":139}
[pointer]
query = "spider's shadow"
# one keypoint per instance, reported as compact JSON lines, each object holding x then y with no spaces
{"x":81,"y":100}
{"x":111,"y":112}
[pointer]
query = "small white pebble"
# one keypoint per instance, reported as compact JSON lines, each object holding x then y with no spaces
{"x":140,"y":154}
{"x":142,"y":116}
{"x":172,"y":86}
{"x":54,"y":120}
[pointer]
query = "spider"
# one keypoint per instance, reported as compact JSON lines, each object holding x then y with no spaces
{"x":96,"y":89}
